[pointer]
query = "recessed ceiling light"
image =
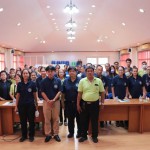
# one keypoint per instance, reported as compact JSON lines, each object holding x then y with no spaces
{"x":141,"y":10}
{"x":71,"y":41}
{"x":18,"y":24}
{"x":93,"y":6}
{"x":98,"y":40}
{"x":84,"y":29}
{"x":54,"y":22}
{"x":29,"y":32}
{"x":86,"y":23}
{"x":36,"y":38}
{"x":44,"y":42}
{"x":53,"y":19}
{"x":113,"y":32}
{"x":88,"y":19}
{"x":48,"y":6}
{"x":51,"y":14}
{"x":123,"y":24}
{"x":57,"y":29}
{"x":85,"y":26}
{"x":106,"y":37}
{"x":1,"y":9}
{"x":90,"y":13}
{"x":101,"y":40}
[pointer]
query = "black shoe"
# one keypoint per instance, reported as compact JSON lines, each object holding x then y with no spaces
{"x":117,"y":124}
{"x":48,"y":138}
{"x":22,"y":139}
{"x":82,"y":139}
{"x":70,"y":135}
{"x":57,"y":138}
{"x":78,"y":135}
{"x":102,"y":124}
{"x":121,"y":124}
{"x":31,"y":139}
{"x":95,"y":139}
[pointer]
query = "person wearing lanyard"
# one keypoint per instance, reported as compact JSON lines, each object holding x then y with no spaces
{"x":61,"y":76}
{"x":4,"y":86}
{"x":70,"y":92}
{"x":51,"y":90}
{"x":120,"y":89}
{"x":136,"y":85}
{"x":26,"y":105}
{"x":90,"y":91}
{"x":99,"y":71}
{"x":13,"y":87}
{"x":146,"y":80}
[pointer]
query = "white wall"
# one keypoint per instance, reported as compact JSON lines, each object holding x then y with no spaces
{"x":70,"y":56}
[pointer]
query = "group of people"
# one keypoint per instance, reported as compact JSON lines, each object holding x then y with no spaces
{"x":80,"y":91}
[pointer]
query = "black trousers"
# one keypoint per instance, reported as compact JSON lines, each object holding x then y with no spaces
{"x":90,"y":112}
{"x":72,"y":114}
{"x":61,"y":114}
{"x":27,"y":114}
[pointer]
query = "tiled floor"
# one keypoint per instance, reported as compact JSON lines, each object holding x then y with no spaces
{"x":110,"y":138}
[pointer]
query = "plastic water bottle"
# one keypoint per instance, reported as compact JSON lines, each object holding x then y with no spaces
{"x":140,"y":99}
{"x":37,"y":113}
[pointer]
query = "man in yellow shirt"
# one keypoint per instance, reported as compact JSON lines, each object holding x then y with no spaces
{"x":90,"y":91}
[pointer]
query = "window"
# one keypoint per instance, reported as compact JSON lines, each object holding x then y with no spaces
{"x":93,"y":61}
{"x":102,"y":62}
{"x":98,"y":60}
{"x":123,"y":59}
{"x":14,"y":61}
{"x":2,"y":62}
{"x":143,"y":56}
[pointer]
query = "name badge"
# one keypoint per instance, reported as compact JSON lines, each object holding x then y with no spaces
{"x":55,"y":86}
{"x":29,"y":90}
{"x":77,"y":84}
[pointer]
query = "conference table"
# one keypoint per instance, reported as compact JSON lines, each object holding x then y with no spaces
{"x":137,"y":113}
{"x":8,"y":117}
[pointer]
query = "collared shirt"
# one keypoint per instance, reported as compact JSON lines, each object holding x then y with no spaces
{"x":90,"y":90}
{"x":146,"y":80}
{"x":109,"y":81}
{"x":26,"y":91}
{"x":4,"y":89}
{"x":51,"y":87}
{"x":13,"y":89}
{"x":135,"y":86}
{"x":120,"y":85}
{"x":70,"y":89}
{"x":142,"y":72}
{"x":38,"y":84}
{"x":104,"y":80}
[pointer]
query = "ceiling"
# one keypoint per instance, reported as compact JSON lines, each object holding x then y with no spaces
{"x":36,"y":25}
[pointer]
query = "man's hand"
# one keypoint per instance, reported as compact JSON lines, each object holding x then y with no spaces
{"x":79,"y":108}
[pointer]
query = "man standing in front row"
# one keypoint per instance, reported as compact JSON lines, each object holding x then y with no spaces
{"x":51,"y":90}
{"x":90,"y":91}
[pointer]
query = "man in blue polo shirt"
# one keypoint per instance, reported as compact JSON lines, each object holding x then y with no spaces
{"x":51,"y":90}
